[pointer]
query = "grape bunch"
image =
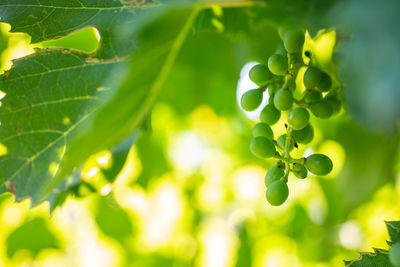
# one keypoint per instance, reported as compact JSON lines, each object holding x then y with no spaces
{"x":319,"y":98}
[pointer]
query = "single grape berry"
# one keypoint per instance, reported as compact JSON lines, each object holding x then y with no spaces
{"x":273,"y":174}
{"x":271,"y":98}
{"x":260,"y":74}
{"x":394,"y":254}
{"x":319,"y":164}
{"x":298,"y":118}
{"x":281,"y":51}
{"x":325,"y":83}
{"x":278,"y":64}
{"x":312,"y":77}
{"x":294,"y":41}
{"x":281,"y":31}
{"x":270,"y":114}
{"x":262,"y":147}
{"x":283,"y":99}
{"x":322,"y":109}
{"x":251,"y":99}
{"x":292,"y":85}
{"x":272,"y":88}
{"x":313,"y":96}
{"x":282,"y":142}
{"x":333,"y":102}
{"x":299,"y":171}
{"x":263,"y":129}
{"x":277,"y":193}
{"x":303,"y":136}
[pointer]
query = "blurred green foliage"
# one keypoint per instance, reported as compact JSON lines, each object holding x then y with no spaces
{"x":188,"y":192}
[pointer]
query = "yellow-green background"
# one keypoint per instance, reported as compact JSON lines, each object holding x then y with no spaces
{"x":191,"y":194}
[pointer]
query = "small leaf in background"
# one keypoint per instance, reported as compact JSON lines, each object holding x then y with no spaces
{"x":377,"y":258}
{"x":112,"y":220}
{"x":34,"y":235}
{"x":393,"y":228}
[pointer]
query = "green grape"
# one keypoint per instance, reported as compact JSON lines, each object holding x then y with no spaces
{"x":312,"y":77}
{"x":334,"y":102}
{"x":313,"y":96}
{"x":304,"y":136}
{"x":273,"y":174}
{"x":262,"y":147}
{"x":272,"y":88}
{"x":299,"y":171}
{"x":281,"y":51}
{"x":394,"y":254}
{"x":294,"y":41}
{"x":298,"y":118}
{"x":319,"y":164}
{"x":282,"y":142}
{"x":281,"y":32}
{"x":260,"y":74}
{"x":292,"y":85}
{"x":322,"y":109}
{"x":270,"y":114}
{"x":263,"y":129}
{"x":277,"y":193}
{"x":278,"y":64}
{"x":283,"y":99}
{"x":325,"y":83}
{"x":251,"y":99}
{"x":271,"y":99}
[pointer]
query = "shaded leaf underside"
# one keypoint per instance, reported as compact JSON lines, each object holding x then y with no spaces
{"x":58,"y":99}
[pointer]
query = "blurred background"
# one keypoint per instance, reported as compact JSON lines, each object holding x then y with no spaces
{"x":186,"y":191}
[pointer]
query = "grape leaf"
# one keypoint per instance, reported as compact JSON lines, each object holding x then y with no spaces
{"x":47,"y":19}
{"x":48,"y":94}
{"x":160,"y":41}
{"x":112,"y":219}
{"x":393,"y":228}
{"x":51,"y":98}
{"x":377,"y":258}
{"x":370,"y":82}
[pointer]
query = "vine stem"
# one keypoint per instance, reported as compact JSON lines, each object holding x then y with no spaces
{"x":287,"y":151}
{"x":290,"y":160}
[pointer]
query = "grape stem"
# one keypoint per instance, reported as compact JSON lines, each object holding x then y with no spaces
{"x":301,"y":161}
{"x":295,"y":62}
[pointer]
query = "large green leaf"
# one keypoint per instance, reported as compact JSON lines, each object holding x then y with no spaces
{"x":160,"y":41}
{"x":369,"y":69}
{"x":48,"y":95}
{"x":48,"y":19}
